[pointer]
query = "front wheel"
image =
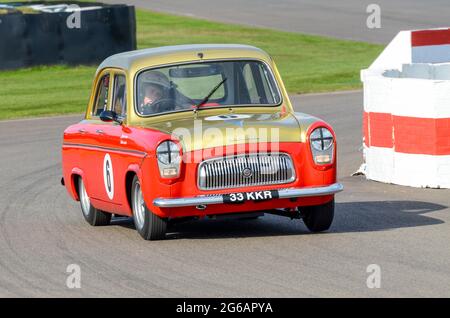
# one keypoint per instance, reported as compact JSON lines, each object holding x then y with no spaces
{"x":93,"y":216}
{"x":318,"y":218}
{"x":149,"y":225}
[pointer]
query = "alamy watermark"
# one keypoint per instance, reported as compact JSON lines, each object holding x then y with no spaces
{"x":238,"y":139}
{"x":73,"y":21}
{"x":374,"y":278}
{"x":374,"y":19}
{"x":73,"y":280}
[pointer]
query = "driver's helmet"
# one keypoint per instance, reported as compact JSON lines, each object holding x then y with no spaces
{"x":157,"y":80}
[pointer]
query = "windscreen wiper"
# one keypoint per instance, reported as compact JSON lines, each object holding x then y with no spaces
{"x":206,"y":99}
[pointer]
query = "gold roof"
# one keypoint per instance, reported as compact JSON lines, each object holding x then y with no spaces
{"x":133,"y":61}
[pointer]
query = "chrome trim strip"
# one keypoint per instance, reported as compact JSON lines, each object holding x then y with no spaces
{"x":217,"y":199}
{"x":95,"y":147}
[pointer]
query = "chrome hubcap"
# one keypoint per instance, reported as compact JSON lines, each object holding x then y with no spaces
{"x":138,"y":207}
{"x":84,"y":199}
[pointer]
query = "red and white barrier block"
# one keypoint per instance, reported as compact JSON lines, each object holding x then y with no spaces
{"x":406,"y":124}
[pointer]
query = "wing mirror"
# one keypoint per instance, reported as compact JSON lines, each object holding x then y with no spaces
{"x":109,"y":116}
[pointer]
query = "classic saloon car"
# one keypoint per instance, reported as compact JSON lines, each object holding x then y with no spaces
{"x":195,"y":131}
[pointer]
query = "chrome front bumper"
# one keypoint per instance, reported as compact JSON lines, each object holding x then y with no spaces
{"x":217,"y":198}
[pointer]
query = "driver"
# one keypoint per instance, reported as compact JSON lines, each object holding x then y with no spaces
{"x":155,"y":88}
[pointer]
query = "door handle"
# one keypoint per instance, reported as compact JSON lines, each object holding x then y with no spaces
{"x":99,"y":131}
{"x":82,"y":131}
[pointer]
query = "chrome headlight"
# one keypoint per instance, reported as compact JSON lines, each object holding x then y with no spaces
{"x":169,"y":159}
{"x":322,"y":145}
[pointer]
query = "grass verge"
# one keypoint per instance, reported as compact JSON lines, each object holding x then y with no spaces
{"x":307,"y":63}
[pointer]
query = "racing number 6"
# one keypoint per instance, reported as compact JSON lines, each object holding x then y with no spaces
{"x":108,"y":176}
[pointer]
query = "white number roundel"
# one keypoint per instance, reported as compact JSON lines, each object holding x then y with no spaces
{"x":108,"y":176}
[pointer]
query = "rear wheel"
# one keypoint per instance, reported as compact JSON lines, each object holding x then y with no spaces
{"x":149,"y":225}
{"x":318,"y":218}
{"x":93,"y":216}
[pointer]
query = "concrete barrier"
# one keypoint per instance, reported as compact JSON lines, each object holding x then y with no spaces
{"x":406,"y":122}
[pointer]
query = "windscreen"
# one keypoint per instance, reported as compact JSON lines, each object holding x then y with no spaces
{"x":207,"y":84}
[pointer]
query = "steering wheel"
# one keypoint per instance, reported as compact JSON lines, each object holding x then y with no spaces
{"x":160,"y":106}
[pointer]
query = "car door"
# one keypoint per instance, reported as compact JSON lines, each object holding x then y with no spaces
{"x":111,"y":160}
{"x":100,"y":101}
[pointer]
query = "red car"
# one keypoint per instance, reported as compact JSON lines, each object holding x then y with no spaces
{"x":197,"y":131}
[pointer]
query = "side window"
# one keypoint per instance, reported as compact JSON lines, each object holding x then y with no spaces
{"x":268,"y":85}
{"x":101,"y":99}
{"x":120,"y":96}
{"x":259,"y":83}
{"x":251,"y":85}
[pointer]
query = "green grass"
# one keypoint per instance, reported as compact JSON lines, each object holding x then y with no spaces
{"x":47,"y":90}
{"x":307,"y":63}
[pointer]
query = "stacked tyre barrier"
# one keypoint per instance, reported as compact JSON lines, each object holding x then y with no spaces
{"x":406,"y":121}
{"x":45,"y":38}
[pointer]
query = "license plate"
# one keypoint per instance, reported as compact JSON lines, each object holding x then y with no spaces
{"x":240,"y":197}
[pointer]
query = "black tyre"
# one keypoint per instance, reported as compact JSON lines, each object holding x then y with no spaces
{"x":149,"y":225}
{"x":318,"y":218}
{"x":93,"y":216}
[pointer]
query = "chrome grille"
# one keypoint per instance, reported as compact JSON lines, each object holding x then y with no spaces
{"x":245,"y":170}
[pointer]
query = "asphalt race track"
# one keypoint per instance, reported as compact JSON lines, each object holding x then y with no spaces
{"x":341,"y":19}
{"x":404,"y":230}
